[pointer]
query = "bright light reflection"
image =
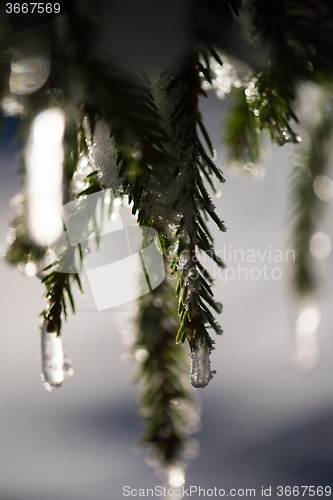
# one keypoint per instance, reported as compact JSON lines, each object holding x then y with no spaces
{"x":323,"y":187}
{"x":251,"y":169}
{"x":308,"y":321}
{"x":306,"y":348}
{"x":44,"y":159}
{"x":30,"y":269}
{"x":320,"y":246}
{"x":10,"y":106}
{"x":28,"y":74}
{"x":83,"y":162}
{"x":176,"y":477}
{"x":141,"y":355}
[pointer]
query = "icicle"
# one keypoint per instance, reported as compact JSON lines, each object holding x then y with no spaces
{"x":55,"y":365}
{"x":200,"y":366}
{"x":44,"y":158}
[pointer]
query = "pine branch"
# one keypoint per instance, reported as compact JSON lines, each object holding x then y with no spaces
{"x":241,"y":135}
{"x":167,"y":404}
{"x":300,"y":42}
{"x":23,"y":251}
{"x":272,"y":102}
{"x":58,"y":284}
{"x":177,"y":211}
{"x":193,"y":289}
{"x":58,"y":287}
{"x":307,"y":207}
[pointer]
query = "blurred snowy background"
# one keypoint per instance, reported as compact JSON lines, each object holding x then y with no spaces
{"x":264,"y":423}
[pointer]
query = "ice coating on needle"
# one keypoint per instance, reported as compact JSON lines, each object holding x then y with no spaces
{"x":55,"y":365}
{"x":200,"y":366}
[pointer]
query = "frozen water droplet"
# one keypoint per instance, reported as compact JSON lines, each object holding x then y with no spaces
{"x":193,"y":274}
{"x":218,"y":194}
{"x":183,"y":259}
{"x":83,"y":162}
{"x":158,"y":302}
{"x":251,"y":169}
{"x":206,"y":85}
{"x":141,"y":355}
{"x":28,"y":74}
{"x":11,"y":107}
{"x":11,"y":235}
{"x":55,"y":365}
{"x":17,"y":203}
{"x":200,"y":366}
{"x":287,"y":137}
{"x":136,"y":151}
{"x":30,"y":269}
{"x":323,"y":187}
{"x":320,"y":246}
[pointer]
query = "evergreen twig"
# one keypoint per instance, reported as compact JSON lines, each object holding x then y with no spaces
{"x":167,"y":404}
{"x":307,"y":208}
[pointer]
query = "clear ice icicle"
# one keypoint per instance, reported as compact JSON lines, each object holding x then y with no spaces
{"x":200,"y":365}
{"x":55,"y":364}
{"x":44,"y":156}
